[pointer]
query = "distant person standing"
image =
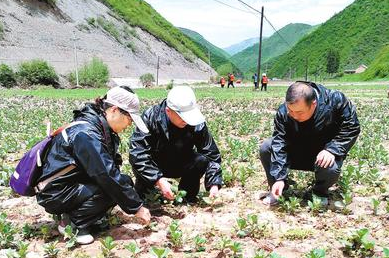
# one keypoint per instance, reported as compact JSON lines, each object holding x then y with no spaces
{"x":264,"y":81}
{"x":222,"y":82}
{"x":255,"y":79}
{"x":231,"y":79}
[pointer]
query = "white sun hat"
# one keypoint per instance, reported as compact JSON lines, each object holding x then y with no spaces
{"x":182,"y":100}
{"x":128,"y":102}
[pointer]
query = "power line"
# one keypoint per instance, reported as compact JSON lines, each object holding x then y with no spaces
{"x":277,"y":32}
{"x":233,"y":7}
{"x":249,"y":6}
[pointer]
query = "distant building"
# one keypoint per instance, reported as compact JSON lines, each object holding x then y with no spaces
{"x":360,"y":69}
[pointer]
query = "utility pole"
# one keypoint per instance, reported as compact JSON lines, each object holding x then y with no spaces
{"x":157,"y":69}
{"x":260,"y":45}
{"x":306,"y":69}
{"x":75,"y":57}
{"x":209,"y":64}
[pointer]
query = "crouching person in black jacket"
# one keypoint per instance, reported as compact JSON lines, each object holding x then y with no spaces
{"x":178,"y":145}
{"x":87,"y":152}
{"x":313,"y":130}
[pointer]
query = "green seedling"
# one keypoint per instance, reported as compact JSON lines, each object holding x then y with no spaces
{"x":159,"y":252}
{"x":51,"y":250}
{"x":27,"y":231}
{"x":241,"y":229}
{"x":175,"y":234}
{"x":224,"y":243}
{"x":72,"y":237}
{"x":358,"y":244}
{"x":107,"y":245}
{"x":261,"y":254}
{"x":22,"y":249}
{"x":290,"y":206}
{"x":199,"y":243}
{"x":315,"y":205}
{"x":133,"y":248}
{"x":316,"y":253}
{"x":376,"y":204}
{"x":179,"y":195}
{"x":7,"y":232}
{"x":236,"y":249}
{"x":386,"y":253}
{"x":45,"y":232}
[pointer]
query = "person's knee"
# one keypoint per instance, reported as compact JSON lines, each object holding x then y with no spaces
{"x":264,"y":148}
{"x":201,"y":163}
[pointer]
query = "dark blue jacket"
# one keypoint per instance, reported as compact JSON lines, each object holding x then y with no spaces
{"x":92,"y":147}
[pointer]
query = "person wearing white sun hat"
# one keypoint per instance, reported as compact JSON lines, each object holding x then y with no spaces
{"x":178,"y":145}
{"x":81,"y":178}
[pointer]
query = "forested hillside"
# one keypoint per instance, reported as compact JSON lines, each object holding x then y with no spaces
{"x":357,"y":33}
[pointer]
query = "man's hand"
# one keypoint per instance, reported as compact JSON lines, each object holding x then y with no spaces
{"x":144,"y":215}
{"x":165,"y":188}
{"x":277,"y":188}
{"x":213,"y":192}
{"x":325,"y":159}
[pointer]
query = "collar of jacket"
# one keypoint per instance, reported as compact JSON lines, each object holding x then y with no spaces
{"x":162,"y":119}
{"x":93,"y":115}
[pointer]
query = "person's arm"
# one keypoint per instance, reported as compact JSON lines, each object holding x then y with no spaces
{"x":92,"y":155}
{"x":141,"y":160}
{"x":349,"y":129}
{"x":206,"y":146}
{"x":278,"y":168}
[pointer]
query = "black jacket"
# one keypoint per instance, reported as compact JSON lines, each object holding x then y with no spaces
{"x":334,"y":127}
{"x":149,"y":151}
{"x":92,"y":147}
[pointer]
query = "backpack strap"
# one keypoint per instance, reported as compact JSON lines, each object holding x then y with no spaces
{"x":63,"y":129}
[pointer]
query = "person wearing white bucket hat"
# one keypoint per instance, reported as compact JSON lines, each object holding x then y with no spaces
{"x":81,"y":177}
{"x":178,"y":145}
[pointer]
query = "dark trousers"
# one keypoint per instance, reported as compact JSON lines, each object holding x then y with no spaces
{"x":190,"y":173}
{"x":230,"y":83}
{"x":255,"y":85}
{"x":264,"y":86}
{"x":82,"y":212}
{"x":324,"y":177}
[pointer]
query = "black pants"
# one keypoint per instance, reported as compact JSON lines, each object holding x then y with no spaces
{"x":324,"y":177}
{"x":230,"y":83}
{"x":190,"y":174}
{"x":255,"y":85}
{"x":264,"y":85}
{"x":83,"y":212}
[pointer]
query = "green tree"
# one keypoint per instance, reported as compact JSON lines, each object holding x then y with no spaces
{"x":7,"y":76}
{"x":333,"y":59}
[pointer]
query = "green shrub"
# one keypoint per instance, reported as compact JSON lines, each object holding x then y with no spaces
{"x":7,"y":76}
{"x":91,"y":21}
{"x":147,"y":79}
{"x":37,"y":71}
{"x":109,"y":27}
{"x":94,"y":74}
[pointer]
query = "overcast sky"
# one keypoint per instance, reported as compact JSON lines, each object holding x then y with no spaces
{"x":224,"y":26}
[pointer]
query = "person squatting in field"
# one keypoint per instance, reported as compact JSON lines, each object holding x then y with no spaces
{"x":178,"y":145}
{"x":313,"y":130}
{"x":94,"y":183}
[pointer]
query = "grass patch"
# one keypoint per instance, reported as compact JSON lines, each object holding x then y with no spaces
{"x":109,"y":27}
{"x":141,"y":14}
{"x":297,"y":234}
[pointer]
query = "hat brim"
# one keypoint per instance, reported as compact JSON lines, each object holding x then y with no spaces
{"x":192,"y":117}
{"x":139,"y":122}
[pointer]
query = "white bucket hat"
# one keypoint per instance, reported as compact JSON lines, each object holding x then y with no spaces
{"x":128,"y":102}
{"x":182,"y":100}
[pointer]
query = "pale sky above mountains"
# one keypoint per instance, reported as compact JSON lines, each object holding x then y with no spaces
{"x":224,"y":26}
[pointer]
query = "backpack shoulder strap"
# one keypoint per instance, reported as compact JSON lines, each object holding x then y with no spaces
{"x":63,"y":129}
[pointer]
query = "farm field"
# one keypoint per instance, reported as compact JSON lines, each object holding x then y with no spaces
{"x":236,"y":224}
